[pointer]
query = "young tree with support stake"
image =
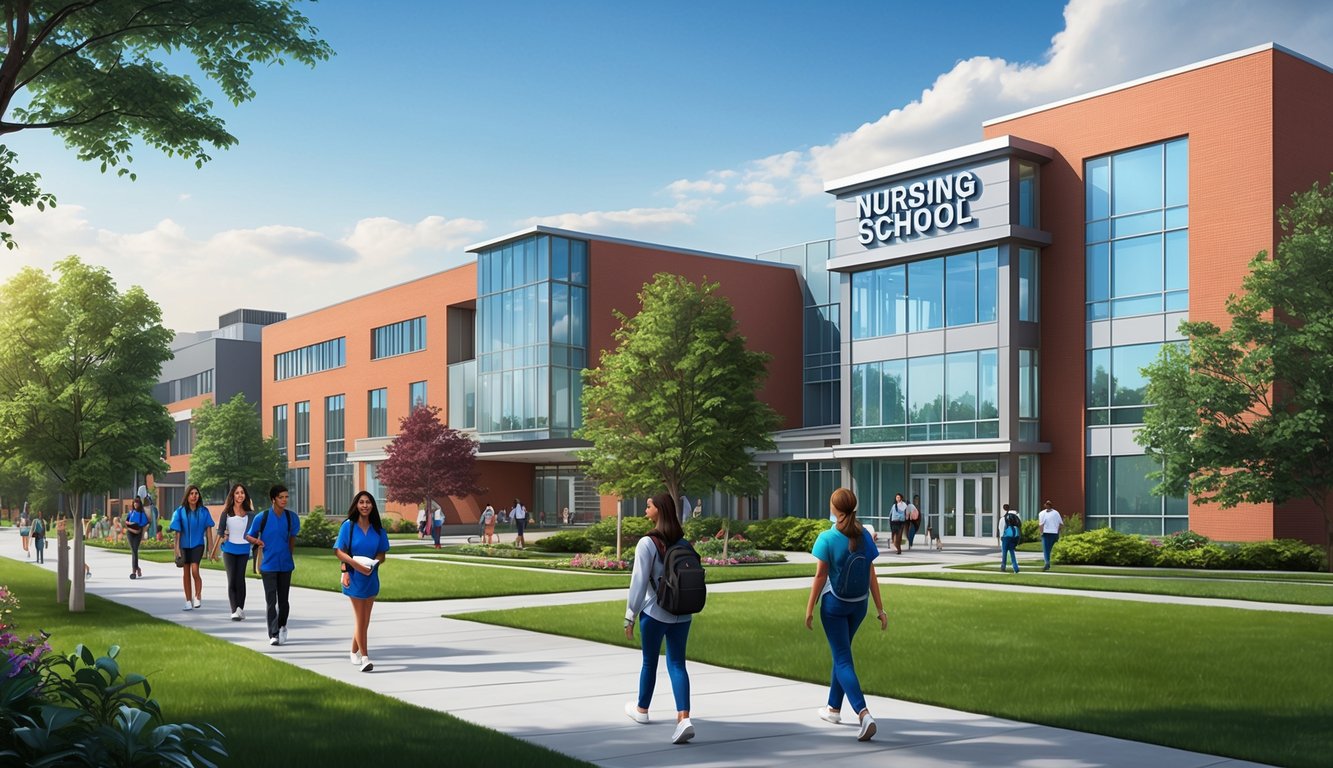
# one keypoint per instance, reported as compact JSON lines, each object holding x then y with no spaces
{"x":676,"y":404}
{"x":428,"y":461}
{"x":78,"y":361}
{"x":1245,"y":414}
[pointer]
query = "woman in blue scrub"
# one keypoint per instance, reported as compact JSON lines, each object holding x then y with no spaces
{"x":361,"y":546}
{"x":193,"y":524}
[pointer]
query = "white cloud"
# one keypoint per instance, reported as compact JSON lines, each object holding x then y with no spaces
{"x":686,"y":188}
{"x":278,"y":267}
{"x":609,"y":221}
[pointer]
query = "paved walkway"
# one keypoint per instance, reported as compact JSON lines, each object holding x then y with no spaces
{"x":568,"y":694}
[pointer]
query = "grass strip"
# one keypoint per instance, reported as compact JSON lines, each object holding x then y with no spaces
{"x":1247,"y":684}
{"x":1177,"y":573}
{"x":272,"y":713}
{"x":1258,"y":591}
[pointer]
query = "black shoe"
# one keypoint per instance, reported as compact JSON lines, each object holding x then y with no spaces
{"x":1046,"y":567}
{"x":132,"y":576}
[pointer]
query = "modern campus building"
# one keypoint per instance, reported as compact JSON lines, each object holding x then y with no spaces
{"x":973,"y":332}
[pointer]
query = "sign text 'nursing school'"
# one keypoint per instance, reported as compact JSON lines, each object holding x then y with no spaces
{"x":918,"y":208}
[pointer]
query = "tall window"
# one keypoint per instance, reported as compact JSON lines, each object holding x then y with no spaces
{"x":416,"y":395}
{"x":1119,"y":495}
{"x":806,"y":487}
{"x":1029,"y":268}
{"x":182,"y":443}
{"x":337,"y":471}
{"x":298,"y":490}
{"x":312,"y":359}
{"x":398,"y":338}
{"x":378,"y":413}
{"x":1028,"y":395}
{"x":280,"y":428}
{"x":936,"y":397}
{"x":1117,"y":388}
{"x":1138,"y":231}
{"x":1027,"y":195}
{"x":303,"y":430}
{"x":960,"y":289}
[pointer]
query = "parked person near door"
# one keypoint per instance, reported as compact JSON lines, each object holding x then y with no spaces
{"x":844,"y":546}
{"x":38,"y":530}
{"x":136,"y":522}
{"x":193,"y":524}
{"x":361,"y":542}
{"x":274,"y":532}
{"x":897,"y":521}
{"x":655,"y":624}
{"x":235,"y":521}
{"x":436,"y":523}
{"x":488,"y":524}
{"x":913,"y":520}
{"x":1011,"y":532}
{"x":520,"y":514}
{"x":1051,"y":522}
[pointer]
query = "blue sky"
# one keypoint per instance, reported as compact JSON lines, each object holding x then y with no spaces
{"x":702,"y":125}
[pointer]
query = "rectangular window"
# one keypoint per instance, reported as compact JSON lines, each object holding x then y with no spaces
{"x":416,"y":395}
{"x":323,"y":356}
{"x":954,"y":290}
{"x":1028,"y":270}
{"x":398,"y":338}
{"x":925,"y":295}
{"x":298,"y":490}
{"x":1029,"y":395}
{"x":337,"y":471}
{"x":960,"y":288}
{"x":280,"y":429}
{"x":303,"y":430}
{"x":182,"y":443}
{"x":1027,"y":195}
{"x":939,"y":397}
{"x":377,"y":409}
{"x":1117,"y":387}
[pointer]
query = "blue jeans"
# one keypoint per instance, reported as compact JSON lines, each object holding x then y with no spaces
{"x":1047,"y":542}
{"x":840,"y":619}
{"x":1008,"y":547}
{"x":651,"y":632}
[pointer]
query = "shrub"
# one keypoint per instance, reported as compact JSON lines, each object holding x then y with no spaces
{"x":1206,"y":555}
{"x":565,"y":541}
{"x":1073,"y":525}
{"x":1031,"y":531}
{"x":492,"y":550}
{"x":789,"y":534}
{"x":124,"y":546}
{"x":600,"y":563}
{"x":1104,"y":547}
{"x":737,"y":547}
{"x":401,"y":525}
{"x":697,"y":528}
{"x":1279,"y":555}
{"x":603,"y":533}
{"x":317,"y":530}
{"x":1185,"y":540}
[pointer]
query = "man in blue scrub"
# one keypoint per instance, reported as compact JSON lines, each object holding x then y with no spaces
{"x":274,"y":532}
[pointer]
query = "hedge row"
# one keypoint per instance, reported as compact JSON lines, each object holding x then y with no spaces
{"x":1185,"y":550}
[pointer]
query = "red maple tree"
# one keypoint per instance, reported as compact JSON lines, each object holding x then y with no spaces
{"x":428,"y":460}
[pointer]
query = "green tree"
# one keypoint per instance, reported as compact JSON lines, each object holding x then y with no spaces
{"x":675,"y":405}
{"x":16,"y":484}
{"x":78,"y":361}
{"x":230,"y":447}
{"x":1245,"y":414}
{"x":99,"y":74}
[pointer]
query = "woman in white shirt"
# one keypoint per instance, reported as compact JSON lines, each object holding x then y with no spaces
{"x":235,"y":521}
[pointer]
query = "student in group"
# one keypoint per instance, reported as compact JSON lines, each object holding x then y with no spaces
{"x":136,"y":522}
{"x":193,"y":524}
{"x":235,"y":521}
{"x":274,"y":532}
{"x":897,"y":521}
{"x":488,"y":524}
{"x":520,"y":514}
{"x":25,"y":531}
{"x":655,"y":623}
{"x":913,"y":520}
{"x":361,"y":538}
{"x":38,"y":531}
{"x":436,"y":523}
{"x":844,"y":581}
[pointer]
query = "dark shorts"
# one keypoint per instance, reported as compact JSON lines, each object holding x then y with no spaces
{"x":896,"y":526}
{"x":192,"y":554}
{"x":519,"y":524}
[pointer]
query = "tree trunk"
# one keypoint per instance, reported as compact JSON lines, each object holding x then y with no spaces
{"x":76,"y":592}
{"x":62,"y":562}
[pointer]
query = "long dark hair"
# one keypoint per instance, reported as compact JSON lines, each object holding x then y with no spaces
{"x":668,"y":521}
{"x":136,"y":505}
{"x":230,"y":508}
{"x":185,"y":500}
{"x":353,"y":513}
{"x":844,"y":501}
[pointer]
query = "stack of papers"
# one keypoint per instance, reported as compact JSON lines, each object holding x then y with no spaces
{"x":368,"y":562}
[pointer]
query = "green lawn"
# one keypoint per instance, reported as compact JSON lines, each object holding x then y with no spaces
{"x":1159,"y":584}
{"x":272,"y":713}
{"x":1179,"y":573}
{"x":1255,"y":685}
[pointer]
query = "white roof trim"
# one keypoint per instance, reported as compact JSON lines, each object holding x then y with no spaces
{"x":953,"y":156}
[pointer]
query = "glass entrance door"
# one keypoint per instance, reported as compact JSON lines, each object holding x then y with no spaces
{"x":958,"y":505}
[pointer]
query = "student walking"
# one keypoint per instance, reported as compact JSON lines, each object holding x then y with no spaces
{"x":1051,"y":522}
{"x":897,"y":521}
{"x":38,"y":531}
{"x":655,"y":623}
{"x":361,"y":546}
{"x":193,"y":524}
{"x":436,"y":523}
{"x":1011,"y":532}
{"x":25,"y":531}
{"x":135,"y":523}
{"x":844,"y":581}
{"x":235,"y":521}
{"x":913,"y":520}
{"x":488,"y":524}
{"x":520,"y":514}
{"x":274,"y":532}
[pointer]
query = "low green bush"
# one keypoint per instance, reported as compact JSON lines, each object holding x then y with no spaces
{"x":1185,"y":540}
{"x":1104,"y":546}
{"x":737,"y":546}
{"x":492,"y":550}
{"x":317,"y":530}
{"x":565,"y":541}
{"x":697,"y":528}
{"x":789,"y":534}
{"x":603,"y":533}
{"x":1031,"y":531}
{"x":124,"y":546}
{"x":1205,"y":555}
{"x":1279,"y":555}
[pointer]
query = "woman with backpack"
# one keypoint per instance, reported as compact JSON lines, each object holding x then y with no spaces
{"x":655,"y":623}
{"x":844,"y":580}
{"x":135,"y":523}
{"x":38,"y":531}
{"x":235,"y":521}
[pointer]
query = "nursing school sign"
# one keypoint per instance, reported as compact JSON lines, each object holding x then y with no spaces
{"x":912,"y":209}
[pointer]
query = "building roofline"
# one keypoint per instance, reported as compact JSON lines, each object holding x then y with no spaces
{"x":541,"y":229}
{"x":359,"y":296}
{"x":1158,"y":76}
{"x":997,"y":146}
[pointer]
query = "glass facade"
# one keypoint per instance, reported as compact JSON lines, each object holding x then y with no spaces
{"x":179,"y":389}
{"x":337,"y":471}
{"x":532,"y":330}
{"x":463,"y":395}
{"x":936,"y":397}
{"x":822,"y":332}
{"x":303,"y":430}
{"x":1138,"y":231}
{"x":1029,"y":395}
{"x":1119,"y":495}
{"x":875,"y":481}
{"x":377,"y":413}
{"x":398,"y":338}
{"x":954,"y":290}
{"x":323,"y":356}
{"x":280,"y":429}
{"x":807,"y":486}
{"x":1029,"y":272}
{"x":1117,"y":388}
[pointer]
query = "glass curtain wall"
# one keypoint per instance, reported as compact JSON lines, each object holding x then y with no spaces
{"x":935,"y":397}
{"x":337,"y":471}
{"x":955,"y":290}
{"x":807,"y":486}
{"x":822,"y":334}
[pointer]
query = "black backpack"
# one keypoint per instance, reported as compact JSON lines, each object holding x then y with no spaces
{"x":681,"y":589}
{"x":1013,"y":526}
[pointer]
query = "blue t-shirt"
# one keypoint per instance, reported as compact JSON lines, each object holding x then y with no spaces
{"x":138,"y":518}
{"x":277,"y":550}
{"x":368,"y":544}
{"x":832,"y":546}
{"x":192,"y":526}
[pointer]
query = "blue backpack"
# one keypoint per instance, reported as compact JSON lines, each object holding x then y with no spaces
{"x":1013,"y":526}
{"x":852,"y":582}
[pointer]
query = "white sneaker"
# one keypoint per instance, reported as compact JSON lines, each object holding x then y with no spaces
{"x":198,"y":602}
{"x":684,"y":732}
{"x":829,"y":715}
{"x":282,"y":636}
{"x":355,"y":658}
{"x":273,"y":641}
{"x":867,"y":728}
{"x":240,"y":614}
{"x":366,"y":666}
{"x":189,"y":606}
{"x":632,"y":710}
{"x":236,"y":615}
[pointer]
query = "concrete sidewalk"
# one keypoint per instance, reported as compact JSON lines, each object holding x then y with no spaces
{"x":568,"y":694}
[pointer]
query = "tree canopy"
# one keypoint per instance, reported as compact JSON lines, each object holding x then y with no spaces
{"x":230,"y":448}
{"x":103,"y":75}
{"x":676,"y":403}
{"x":428,"y":460}
{"x":1245,"y":413}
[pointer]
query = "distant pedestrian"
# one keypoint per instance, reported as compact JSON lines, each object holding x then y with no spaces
{"x":39,"y":537}
{"x":361,"y":546}
{"x":1011,"y":532}
{"x":25,"y":531}
{"x":844,"y":582}
{"x":436,"y":523}
{"x":193,"y":524}
{"x":136,"y":522}
{"x":1051,"y":522}
{"x":655,"y":623}
{"x":520,"y":514}
{"x":564,"y":516}
{"x":897,"y":521}
{"x":274,"y":532}
{"x":488,"y":524}
{"x":421,"y":522}
{"x":913,"y":520}
{"x":685,"y":508}
{"x":232,"y":526}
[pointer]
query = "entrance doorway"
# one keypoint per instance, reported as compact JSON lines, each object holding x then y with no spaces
{"x":958,"y":504}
